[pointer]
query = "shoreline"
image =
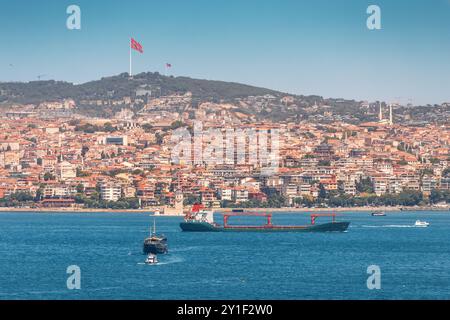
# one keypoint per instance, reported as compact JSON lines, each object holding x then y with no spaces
{"x":227,"y":210}
{"x":342,"y":209}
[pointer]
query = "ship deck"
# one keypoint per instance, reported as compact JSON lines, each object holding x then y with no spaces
{"x":206,"y":227}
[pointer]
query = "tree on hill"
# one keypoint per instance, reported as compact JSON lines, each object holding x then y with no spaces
{"x":365,"y":186}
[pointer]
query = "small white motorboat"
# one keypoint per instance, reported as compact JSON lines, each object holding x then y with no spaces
{"x":151,"y":259}
{"x":422,"y":224}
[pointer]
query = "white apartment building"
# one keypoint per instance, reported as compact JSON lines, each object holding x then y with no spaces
{"x":226,"y":194}
{"x":240,"y":195}
{"x":381,"y":186}
{"x":110,"y":191}
{"x":290,"y":192}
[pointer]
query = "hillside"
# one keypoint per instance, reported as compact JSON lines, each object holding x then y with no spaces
{"x":107,"y":96}
{"x":120,"y":86}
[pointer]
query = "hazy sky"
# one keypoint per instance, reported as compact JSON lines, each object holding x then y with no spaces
{"x":306,"y":47}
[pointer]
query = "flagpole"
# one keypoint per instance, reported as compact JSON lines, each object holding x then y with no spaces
{"x":130,"y":58}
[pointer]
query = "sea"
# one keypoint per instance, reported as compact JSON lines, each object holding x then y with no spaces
{"x":377,"y":258}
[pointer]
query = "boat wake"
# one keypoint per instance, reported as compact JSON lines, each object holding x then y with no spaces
{"x":166,"y":260}
{"x":171,"y":260}
{"x":390,"y":226}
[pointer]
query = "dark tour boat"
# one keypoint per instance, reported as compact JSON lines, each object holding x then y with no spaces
{"x":155,"y":244}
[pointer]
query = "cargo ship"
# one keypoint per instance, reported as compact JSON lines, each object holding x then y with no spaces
{"x":203,"y":221}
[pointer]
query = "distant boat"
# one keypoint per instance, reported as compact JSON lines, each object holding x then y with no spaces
{"x":422,"y":224}
{"x":151,"y":259}
{"x":155,"y":244}
{"x":378,"y":214}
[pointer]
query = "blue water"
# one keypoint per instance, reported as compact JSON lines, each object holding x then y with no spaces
{"x":36,"y":249}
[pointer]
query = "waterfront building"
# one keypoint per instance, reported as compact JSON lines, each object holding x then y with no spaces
{"x":110,"y":191}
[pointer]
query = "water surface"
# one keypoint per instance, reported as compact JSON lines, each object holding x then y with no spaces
{"x":36,"y":249}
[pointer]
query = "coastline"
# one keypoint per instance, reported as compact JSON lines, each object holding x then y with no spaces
{"x":68,"y":210}
{"x":226,"y":210}
{"x":342,"y":209}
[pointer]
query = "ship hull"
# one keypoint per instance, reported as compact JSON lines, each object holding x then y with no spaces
{"x":206,"y":227}
{"x":155,"y":247}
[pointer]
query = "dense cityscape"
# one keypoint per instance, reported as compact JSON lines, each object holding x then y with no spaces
{"x":214,"y":159}
{"x":51,"y":155}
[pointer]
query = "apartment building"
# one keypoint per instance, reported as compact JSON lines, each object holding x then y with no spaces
{"x":110,"y":191}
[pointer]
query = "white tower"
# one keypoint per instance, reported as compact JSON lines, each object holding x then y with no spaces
{"x":380,"y":115}
{"x":179,"y":200}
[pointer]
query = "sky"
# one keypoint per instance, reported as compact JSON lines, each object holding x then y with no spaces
{"x":306,"y":47}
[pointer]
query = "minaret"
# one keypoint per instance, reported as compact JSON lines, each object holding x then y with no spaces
{"x":391,"y":117}
{"x":380,"y":116}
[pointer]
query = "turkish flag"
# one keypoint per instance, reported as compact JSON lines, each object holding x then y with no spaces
{"x":136,"y":46}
